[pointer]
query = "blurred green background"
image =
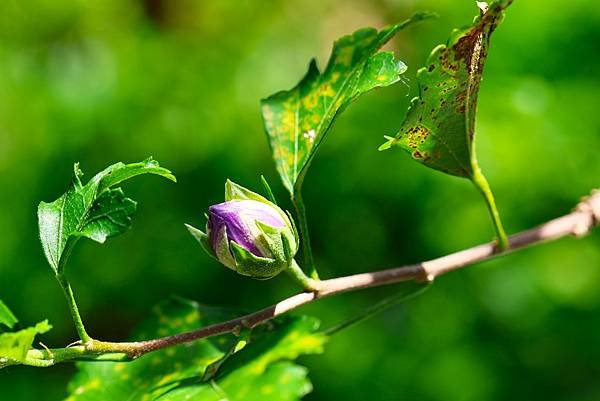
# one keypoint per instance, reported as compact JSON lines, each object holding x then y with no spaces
{"x":100,"y":82}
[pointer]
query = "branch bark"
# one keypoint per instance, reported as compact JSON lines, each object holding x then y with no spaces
{"x":577,"y":223}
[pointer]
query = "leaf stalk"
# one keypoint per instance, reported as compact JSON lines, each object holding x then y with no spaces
{"x":483,"y":186}
{"x":73,"y":309}
{"x":309,"y":262}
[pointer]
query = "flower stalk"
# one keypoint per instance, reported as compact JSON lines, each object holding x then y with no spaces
{"x":297,"y":274}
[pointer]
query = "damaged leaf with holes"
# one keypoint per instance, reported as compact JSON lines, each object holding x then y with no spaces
{"x":297,"y":120}
{"x":439,"y":128}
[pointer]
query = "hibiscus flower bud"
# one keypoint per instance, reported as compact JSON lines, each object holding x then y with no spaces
{"x":249,"y":234}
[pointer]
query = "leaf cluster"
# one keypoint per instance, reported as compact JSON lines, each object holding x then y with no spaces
{"x":258,"y":364}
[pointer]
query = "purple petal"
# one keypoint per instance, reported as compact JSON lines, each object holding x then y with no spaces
{"x":236,"y":216}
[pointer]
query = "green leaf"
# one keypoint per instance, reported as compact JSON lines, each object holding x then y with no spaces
{"x":93,"y":210}
{"x":257,"y":361}
{"x":110,"y":215}
{"x":14,"y":346}
{"x":439,"y":129}
{"x":151,"y":375}
{"x":262,"y":370}
{"x":120,"y":172}
{"x":7,"y":318}
{"x":297,"y":120}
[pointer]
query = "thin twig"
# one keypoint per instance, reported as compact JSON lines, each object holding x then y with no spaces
{"x":405,"y":294}
{"x":578,"y":223}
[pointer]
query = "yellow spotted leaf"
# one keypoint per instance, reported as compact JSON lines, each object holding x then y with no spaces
{"x":256,"y":365}
{"x":439,"y":129}
{"x":263,"y":369}
{"x":297,"y":120}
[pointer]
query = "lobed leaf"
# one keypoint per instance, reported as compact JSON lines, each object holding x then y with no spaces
{"x":254,"y":366}
{"x":439,"y":129}
{"x":150,"y":376}
{"x":14,"y":346}
{"x":263,"y":369}
{"x":120,"y":172}
{"x":93,"y":210}
{"x":110,"y":215}
{"x":297,"y":120}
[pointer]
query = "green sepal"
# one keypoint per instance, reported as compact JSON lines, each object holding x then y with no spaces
{"x":223,"y":252}
{"x":248,"y":264}
{"x":267,"y":187}
{"x":271,"y":239}
{"x":234,"y":191}
{"x":294,"y":228}
{"x":287,"y":247}
{"x":202,"y":238}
